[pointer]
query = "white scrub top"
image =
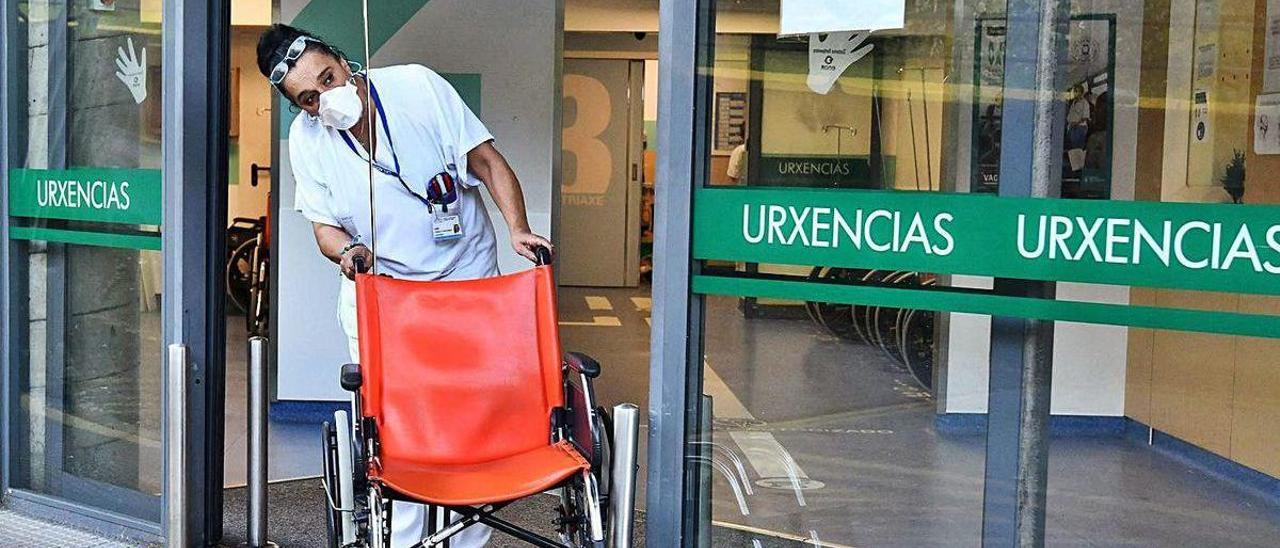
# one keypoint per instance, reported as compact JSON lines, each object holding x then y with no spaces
{"x":432,"y":131}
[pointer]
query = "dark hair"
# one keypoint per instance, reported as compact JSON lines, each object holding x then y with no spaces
{"x":275,"y":42}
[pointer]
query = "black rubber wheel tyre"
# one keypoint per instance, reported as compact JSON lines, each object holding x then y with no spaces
{"x":239,"y":275}
{"x":859,"y":313}
{"x":332,"y":517}
{"x":836,"y":317}
{"x":918,"y":348}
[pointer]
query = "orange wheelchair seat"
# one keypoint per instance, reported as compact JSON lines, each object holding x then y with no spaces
{"x":461,"y":383}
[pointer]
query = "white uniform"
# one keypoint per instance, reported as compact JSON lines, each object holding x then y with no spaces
{"x":432,"y":131}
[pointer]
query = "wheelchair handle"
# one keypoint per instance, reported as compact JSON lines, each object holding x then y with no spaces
{"x":358,"y":261}
{"x":543,"y":254}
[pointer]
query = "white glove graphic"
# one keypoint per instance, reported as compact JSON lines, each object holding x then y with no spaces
{"x":830,"y":57}
{"x":133,"y":73}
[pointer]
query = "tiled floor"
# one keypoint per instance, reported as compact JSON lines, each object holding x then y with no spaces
{"x":17,"y":531}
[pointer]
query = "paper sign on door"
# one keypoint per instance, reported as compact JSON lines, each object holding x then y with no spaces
{"x":810,"y":16}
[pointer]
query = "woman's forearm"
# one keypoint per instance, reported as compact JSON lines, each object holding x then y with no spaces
{"x":489,"y":165}
{"x":331,"y":241}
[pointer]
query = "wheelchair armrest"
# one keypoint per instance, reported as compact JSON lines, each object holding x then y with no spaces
{"x":351,"y":379}
{"x":582,"y":363}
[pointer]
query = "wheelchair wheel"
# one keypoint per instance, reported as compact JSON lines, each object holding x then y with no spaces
{"x":917,"y":347}
{"x":586,"y":495}
{"x":240,"y":274}
{"x":835,"y":317}
{"x":333,"y":519}
{"x":575,"y":508}
{"x":859,"y":313}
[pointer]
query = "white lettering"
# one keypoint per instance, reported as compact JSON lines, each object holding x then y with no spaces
{"x":871,"y":219}
{"x":1022,"y":238}
{"x":853,"y":232}
{"x":1161,"y":249}
{"x":820,"y":225}
{"x":746,"y":225}
{"x":946,"y":234}
{"x":1273,"y":241}
{"x":798,"y":230}
{"x":1089,"y":244}
{"x":1178,"y":247}
{"x":1060,"y":229}
{"x":1114,"y":239}
{"x":1243,"y":248}
{"x":916,"y":234}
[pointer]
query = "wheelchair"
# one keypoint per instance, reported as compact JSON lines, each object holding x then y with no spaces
{"x":464,"y":401}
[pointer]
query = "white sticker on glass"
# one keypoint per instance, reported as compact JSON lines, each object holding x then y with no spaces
{"x":133,"y":72}
{"x":833,"y":53}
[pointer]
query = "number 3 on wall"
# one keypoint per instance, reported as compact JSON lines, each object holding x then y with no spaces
{"x":593,"y":159}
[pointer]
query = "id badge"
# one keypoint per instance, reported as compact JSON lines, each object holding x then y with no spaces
{"x":446,"y":227}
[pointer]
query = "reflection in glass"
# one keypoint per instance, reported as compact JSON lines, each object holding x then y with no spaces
{"x":89,"y":398}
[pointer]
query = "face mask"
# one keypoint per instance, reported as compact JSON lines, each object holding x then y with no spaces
{"x":340,"y":108}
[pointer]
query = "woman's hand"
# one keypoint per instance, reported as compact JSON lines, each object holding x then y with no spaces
{"x":348,"y":263}
{"x":527,"y":243}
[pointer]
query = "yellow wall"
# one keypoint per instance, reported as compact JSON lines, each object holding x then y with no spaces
{"x":254,"y":140}
{"x":1220,"y":393}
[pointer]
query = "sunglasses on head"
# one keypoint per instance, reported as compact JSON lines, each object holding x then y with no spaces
{"x":295,"y":51}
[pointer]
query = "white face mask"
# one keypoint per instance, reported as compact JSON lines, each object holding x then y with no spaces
{"x":340,"y":108}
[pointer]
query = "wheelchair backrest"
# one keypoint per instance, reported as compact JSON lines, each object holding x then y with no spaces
{"x":460,"y":372}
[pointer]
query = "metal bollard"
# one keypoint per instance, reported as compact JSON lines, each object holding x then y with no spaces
{"x":175,"y":487}
{"x":622,"y":501}
{"x":257,"y":489}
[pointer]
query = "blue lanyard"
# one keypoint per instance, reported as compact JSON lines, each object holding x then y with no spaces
{"x":382,"y":116}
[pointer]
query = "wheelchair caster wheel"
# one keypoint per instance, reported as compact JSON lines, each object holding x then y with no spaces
{"x":333,"y":518}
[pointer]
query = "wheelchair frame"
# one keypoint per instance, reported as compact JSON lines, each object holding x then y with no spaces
{"x":583,"y":511}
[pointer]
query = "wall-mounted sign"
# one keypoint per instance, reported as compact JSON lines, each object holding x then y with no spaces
{"x":810,"y":16}
{"x":1271,"y":59}
{"x":1266,"y":125}
{"x":814,"y":171}
{"x":1200,"y":120}
{"x":731,"y":120}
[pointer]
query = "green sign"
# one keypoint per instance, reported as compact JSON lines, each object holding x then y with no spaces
{"x":1219,"y":247}
{"x":103,"y":195}
{"x":814,"y":171}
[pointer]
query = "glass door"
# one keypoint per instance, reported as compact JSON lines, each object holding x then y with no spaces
{"x":84,"y":214}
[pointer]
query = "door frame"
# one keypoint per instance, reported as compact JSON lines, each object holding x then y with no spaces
{"x":195,"y":40}
{"x":197,"y":53}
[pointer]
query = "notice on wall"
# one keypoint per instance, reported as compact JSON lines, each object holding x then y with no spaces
{"x":1271,"y":71}
{"x":731,"y":120}
{"x":1200,"y":115}
{"x":810,"y":16}
{"x":1266,"y":125}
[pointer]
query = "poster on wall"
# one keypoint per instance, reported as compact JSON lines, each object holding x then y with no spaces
{"x":1087,"y":143}
{"x":1271,"y":71}
{"x":731,"y":120}
{"x":1266,"y":125}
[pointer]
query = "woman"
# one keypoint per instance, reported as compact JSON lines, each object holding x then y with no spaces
{"x":430,"y":156}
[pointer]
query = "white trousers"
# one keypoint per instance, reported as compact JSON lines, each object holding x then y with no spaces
{"x":410,"y":522}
